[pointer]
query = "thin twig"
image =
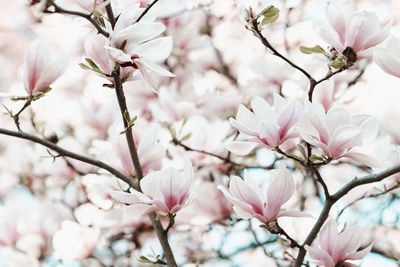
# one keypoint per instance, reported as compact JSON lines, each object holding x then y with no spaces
{"x":226,"y":159}
{"x":146,"y":10}
{"x":58,"y":9}
{"x":266,"y":43}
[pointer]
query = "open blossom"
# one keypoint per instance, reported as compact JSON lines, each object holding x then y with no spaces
{"x":74,"y":241}
{"x":133,"y":42}
{"x":149,"y":152}
{"x":168,"y":191}
{"x":266,"y":125}
{"x":248,"y":200}
{"x":336,"y":133}
{"x":389,"y":58}
{"x":40,"y":70}
{"x":334,"y":248}
{"x":360,"y":30}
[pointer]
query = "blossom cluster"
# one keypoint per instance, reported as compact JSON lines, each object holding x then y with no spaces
{"x":188,"y":124}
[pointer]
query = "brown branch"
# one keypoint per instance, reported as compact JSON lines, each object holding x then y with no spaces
{"x":226,"y":159}
{"x":161,"y":233}
{"x":321,"y":181}
{"x":314,"y":83}
{"x":376,"y":195}
{"x":146,"y":10}
{"x":266,"y":43}
{"x":66,"y":153}
{"x":372,"y":178}
{"x":119,"y":90}
{"x":88,"y":17}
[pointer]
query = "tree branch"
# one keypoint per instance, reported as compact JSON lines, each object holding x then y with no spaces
{"x":266,"y":43}
{"x":58,"y":9}
{"x":372,"y":178}
{"x":146,"y":10}
{"x":161,"y":233}
{"x":66,"y":153}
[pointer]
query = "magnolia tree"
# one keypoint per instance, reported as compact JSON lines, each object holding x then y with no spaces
{"x":199,"y":133}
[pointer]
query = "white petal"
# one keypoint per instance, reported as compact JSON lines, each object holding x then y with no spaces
{"x":156,"y":50}
{"x":240,"y":148}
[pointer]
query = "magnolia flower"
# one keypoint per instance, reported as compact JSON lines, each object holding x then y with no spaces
{"x":389,"y":58}
{"x":149,"y":152}
{"x":167,"y":191}
{"x":336,"y":132}
{"x":131,"y":42}
{"x":335,"y":248}
{"x":248,"y":201}
{"x":74,"y":241}
{"x":94,"y":48}
{"x":40,"y":70}
{"x":270,"y":126}
{"x":360,"y":30}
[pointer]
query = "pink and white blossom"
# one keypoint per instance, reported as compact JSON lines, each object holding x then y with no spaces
{"x":334,"y":248}
{"x":268,"y":125}
{"x":167,"y":191}
{"x":40,"y":70}
{"x":389,"y":58}
{"x":95,"y":50}
{"x":149,"y":151}
{"x":248,"y":201}
{"x":359,"y":30}
{"x":336,"y":133}
{"x":133,"y":42}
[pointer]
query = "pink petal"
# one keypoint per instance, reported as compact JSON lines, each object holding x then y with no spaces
{"x":94,"y":47}
{"x":242,"y":213}
{"x":321,"y":256}
{"x":337,"y":20}
{"x":246,"y":120}
{"x":388,"y":63}
{"x":35,"y":61}
{"x":269,"y":134}
{"x":279,"y":191}
{"x":359,"y":254}
{"x":150,"y":184}
{"x":242,"y":192}
{"x":245,"y":207}
{"x":379,"y":37}
{"x":316,"y":115}
{"x":289,"y":117}
{"x":344,"y":138}
{"x":262,"y":109}
{"x":362,"y":158}
{"x":348,"y":241}
{"x":328,"y":236}
{"x":336,"y":117}
{"x":50,"y":73}
{"x":242,"y":127}
{"x":359,"y":27}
